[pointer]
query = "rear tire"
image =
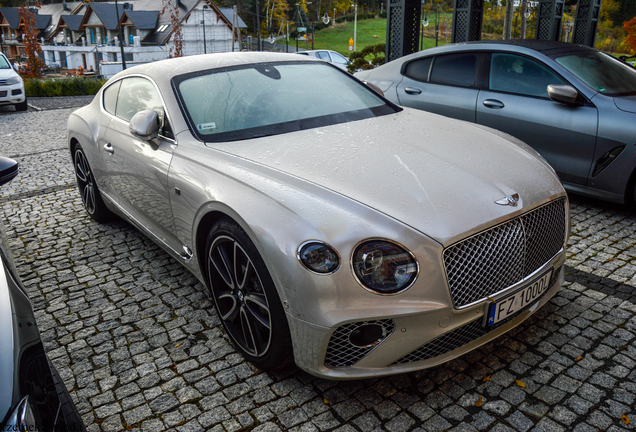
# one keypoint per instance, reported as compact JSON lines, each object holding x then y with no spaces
{"x":246,"y":298}
{"x":22,"y":106}
{"x":91,"y":198}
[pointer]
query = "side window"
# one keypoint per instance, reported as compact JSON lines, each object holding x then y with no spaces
{"x":455,"y":69}
{"x":110,"y":98}
{"x":137,"y":94}
{"x":515,"y":74}
{"x":419,"y":69}
{"x":340,"y":59}
{"x":323,"y":55}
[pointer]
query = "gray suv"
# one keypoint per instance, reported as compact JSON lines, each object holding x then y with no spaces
{"x":574,"y":104}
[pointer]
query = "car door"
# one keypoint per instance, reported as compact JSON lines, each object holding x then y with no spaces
{"x":444,"y":84}
{"x":516,"y":102}
{"x":138,"y":170}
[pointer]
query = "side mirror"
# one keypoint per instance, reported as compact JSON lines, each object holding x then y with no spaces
{"x":145,"y":125}
{"x":8,"y":170}
{"x":564,"y":94}
{"x":375,"y":88}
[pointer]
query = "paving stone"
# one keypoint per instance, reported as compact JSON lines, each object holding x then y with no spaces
{"x":519,"y":421}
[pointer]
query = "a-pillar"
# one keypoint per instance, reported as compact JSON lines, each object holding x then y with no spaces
{"x":587,"y":12}
{"x":468,"y":16}
{"x":549,"y":18}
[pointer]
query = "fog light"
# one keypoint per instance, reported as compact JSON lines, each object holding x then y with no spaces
{"x":367,"y":335}
{"x":319,"y":257}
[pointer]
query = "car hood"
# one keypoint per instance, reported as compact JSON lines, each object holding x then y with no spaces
{"x":438,"y":175}
{"x":626,"y":103}
{"x":7,"y":73}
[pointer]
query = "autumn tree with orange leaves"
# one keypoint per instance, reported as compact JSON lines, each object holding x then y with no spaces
{"x":171,"y":7}
{"x":630,"y":28}
{"x":32,"y":48}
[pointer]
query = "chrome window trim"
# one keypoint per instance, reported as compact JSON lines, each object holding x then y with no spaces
{"x":163,"y":103}
{"x":355,"y":276}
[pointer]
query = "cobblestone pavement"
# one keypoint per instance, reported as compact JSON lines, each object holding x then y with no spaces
{"x":40,"y":104}
{"x":139,"y":345}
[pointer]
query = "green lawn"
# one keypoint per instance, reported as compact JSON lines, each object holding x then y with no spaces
{"x":370,"y":32}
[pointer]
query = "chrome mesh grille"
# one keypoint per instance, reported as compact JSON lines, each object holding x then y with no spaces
{"x":460,"y":336}
{"x":447,"y":342}
{"x":341,"y":353}
{"x":491,"y":261}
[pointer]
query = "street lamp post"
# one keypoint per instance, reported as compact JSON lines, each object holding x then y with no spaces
{"x":205,"y":50}
{"x":121,"y":44}
{"x":258,"y":18}
{"x":355,"y":26}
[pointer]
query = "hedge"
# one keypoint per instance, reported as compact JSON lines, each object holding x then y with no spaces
{"x":62,"y":87}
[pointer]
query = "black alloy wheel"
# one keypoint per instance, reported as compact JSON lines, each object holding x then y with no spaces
{"x":91,"y":198}
{"x":246,"y":298}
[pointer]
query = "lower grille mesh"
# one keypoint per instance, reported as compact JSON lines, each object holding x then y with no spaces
{"x":493,"y":260}
{"x":460,"y":336}
{"x":341,"y":353}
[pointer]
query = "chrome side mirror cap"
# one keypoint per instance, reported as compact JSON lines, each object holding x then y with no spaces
{"x":562,"y":93}
{"x":145,"y":125}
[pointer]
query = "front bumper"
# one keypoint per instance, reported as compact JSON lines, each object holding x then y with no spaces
{"x":12,"y":94}
{"x":442,"y":335}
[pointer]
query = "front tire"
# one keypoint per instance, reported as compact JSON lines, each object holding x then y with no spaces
{"x":22,"y":106}
{"x":91,"y":198}
{"x":246,"y":298}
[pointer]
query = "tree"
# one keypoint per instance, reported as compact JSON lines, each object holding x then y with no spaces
{"x":358,"y":60}
{"x":630,"y":28}
{"x":507,"y":27}
{"x":32,"y":48}
{"x":171,"y":7}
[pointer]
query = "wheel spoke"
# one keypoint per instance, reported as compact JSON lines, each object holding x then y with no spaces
{"x":81,"y":167}
{"x":231,"y":314}
{"x":223,"y":267}
{"x":248,"y":334}
{"x":248,"y":272}
{"x":257,"y":307}
{"x":88,"y":197}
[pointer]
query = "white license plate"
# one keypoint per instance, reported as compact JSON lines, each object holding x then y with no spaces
{"x":519,"y":300}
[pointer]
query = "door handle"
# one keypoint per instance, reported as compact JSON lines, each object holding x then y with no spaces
{"x":109,"y":148}
{"x":493,"y":103}
{"x":413,"y":91}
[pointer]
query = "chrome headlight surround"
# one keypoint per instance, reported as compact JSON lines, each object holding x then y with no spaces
{"x":373,"y":258}
{"x":321,"y":251}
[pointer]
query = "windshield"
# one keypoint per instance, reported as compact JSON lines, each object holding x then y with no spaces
{"x":272,"y":98}
{"x":600,"y":71}
{"x":4,"y":63}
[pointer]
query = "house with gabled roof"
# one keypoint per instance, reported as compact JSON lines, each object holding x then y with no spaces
{"x":88,"y":34}
{"x":12,"y":30}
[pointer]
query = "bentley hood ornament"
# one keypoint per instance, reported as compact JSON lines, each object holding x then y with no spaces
{"x":511,"y":200}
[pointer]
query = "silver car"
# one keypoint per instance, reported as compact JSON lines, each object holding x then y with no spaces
{"x":329,"y":56}
{"x":575,"y":105}
{"x":332,"y":227}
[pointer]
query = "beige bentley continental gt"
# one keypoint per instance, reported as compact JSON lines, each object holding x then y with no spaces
{"x":333,"y":228}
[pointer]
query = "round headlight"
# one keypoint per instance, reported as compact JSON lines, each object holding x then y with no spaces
{"x":319,"y":257}
{"x":384,"y":267}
